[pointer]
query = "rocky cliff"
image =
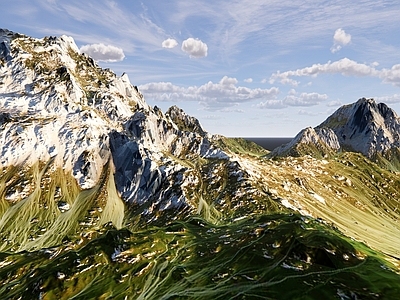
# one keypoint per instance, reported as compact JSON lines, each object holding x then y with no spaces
{"x":103,"y":196}
{"x":365,"y":126}
{"x":63,"y":113}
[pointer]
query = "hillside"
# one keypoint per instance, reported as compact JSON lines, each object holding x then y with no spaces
{"x":105,"y":197}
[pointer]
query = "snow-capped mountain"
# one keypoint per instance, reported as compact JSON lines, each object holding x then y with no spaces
{"x":102,"y":195}
{"x":365,"y":126}
{"x":58,"y":105}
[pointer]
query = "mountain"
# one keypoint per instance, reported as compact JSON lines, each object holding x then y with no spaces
{"x":365,"y":126}
{"x":105,"y":197}
{"x":59,"y":106}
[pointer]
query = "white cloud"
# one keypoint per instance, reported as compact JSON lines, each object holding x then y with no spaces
{"x":195,"y":47}
{"x":340,"y":39}
{"x":375,"y":64}
{"x":391,"y":75}
{"x":271,"y":104}
{"x":334,"y":103}
{"x":248,"y":80}
{"x":213,"y":96}
{"x":304,"y":99}
{"x":304,"y":112}
{"x":389,"y":99}
{"x":293,"y":99}
{"x":101,"y":52}
{"x":169,"y":43}
{"x":345,"y":66}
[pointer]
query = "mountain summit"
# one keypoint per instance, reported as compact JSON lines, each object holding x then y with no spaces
{"x":63,"y":113}
{"x":103,"y":196}
{"x":365,"y":126}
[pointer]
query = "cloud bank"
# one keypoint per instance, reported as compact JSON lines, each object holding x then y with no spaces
{"x":195,"y":47}
{"x":212,"y":96}
{"x":293,"y":99}
{"x":101,"y":52}
{"x":345,"y":66}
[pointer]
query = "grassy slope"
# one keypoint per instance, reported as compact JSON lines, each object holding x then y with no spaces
{"x":353,"y":193}
{"x":238,"y":247}
{"x":267,"y":256}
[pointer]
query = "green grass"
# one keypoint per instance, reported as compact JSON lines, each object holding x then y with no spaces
{"x":236,"y":243}
{"x":265,"y":256}
{"x":34,"y":221}
{"x":241,"y":146}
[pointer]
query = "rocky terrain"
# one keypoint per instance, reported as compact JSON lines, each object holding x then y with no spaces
{"x":365,"y":126}
{"x":105,"y":197}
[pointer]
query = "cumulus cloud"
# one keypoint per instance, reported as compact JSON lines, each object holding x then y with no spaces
{"x":169,"y":43}
{"x":213,"y":96}
{"x":195,"y":47}
{"x":345,"y":66}
{"x":294,"y":99}
{"x":304,"y":99}
{"x":248,"y":80}
{"x":389,"y":99}
{"x":340,"y":39}
{"x":101,"y":52}
{"x":304,"y":112}
{"x":271,"y":104}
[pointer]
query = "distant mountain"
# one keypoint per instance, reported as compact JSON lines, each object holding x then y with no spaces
{"x":365,"y":126}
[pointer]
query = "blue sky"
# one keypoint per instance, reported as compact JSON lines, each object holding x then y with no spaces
{"x":243,"y":68}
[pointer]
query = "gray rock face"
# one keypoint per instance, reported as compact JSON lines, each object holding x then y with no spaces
{"x":184,"y":121}
{"x":323,"y":139}
{"x":364,"y":126}
{"x":58,"y":104}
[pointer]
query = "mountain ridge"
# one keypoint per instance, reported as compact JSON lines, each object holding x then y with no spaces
{"x":102,"y":195}
{"x":59,"y":105}
{"x":365,"y":126}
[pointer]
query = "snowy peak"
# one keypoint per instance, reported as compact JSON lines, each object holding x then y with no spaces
{"x":58,"y":107}
{"x":58,"y":103}
{"x":364,"y":126}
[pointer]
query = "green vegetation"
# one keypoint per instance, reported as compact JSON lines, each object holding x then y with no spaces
{"x":350,"y":191}
{"x":242,"y":247}
{"x":241,"y":146}
{"x":34,"y":218}
{"x":264,"y":256}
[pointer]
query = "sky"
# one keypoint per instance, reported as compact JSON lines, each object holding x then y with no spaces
{"x":243,"y":68}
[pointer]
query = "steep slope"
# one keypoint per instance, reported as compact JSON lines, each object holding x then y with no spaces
{"x":71,"y":130}
{"x":365,"y":126}
{"x":103,"y":196}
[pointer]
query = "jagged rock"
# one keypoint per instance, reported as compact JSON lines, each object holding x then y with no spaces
{"x":58,"y":104}
{"x":365,"y":126}
{"x":309,"y":141}
{"x":184,"y":121}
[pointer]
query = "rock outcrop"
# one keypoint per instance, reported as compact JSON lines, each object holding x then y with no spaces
{"x":365,"y":126}
{"x":58,"y":105}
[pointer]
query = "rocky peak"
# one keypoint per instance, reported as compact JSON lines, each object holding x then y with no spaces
{"x":184,"y":121}
{"x":310,"y":141}
{"x":58,"y":106}
{"x":364,"y":126}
